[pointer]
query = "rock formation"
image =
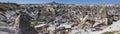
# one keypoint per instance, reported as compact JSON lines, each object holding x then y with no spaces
{"x":22,"y":24}
{"x":81,"y":18}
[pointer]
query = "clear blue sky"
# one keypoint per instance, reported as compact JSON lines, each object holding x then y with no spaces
{"x":64,"y":1}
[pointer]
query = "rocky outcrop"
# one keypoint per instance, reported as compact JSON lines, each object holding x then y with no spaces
{"x":22,"y":24}
{"x":112,"y":28}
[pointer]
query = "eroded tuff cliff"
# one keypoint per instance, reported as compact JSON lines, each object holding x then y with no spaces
{"x":55,"y":18}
